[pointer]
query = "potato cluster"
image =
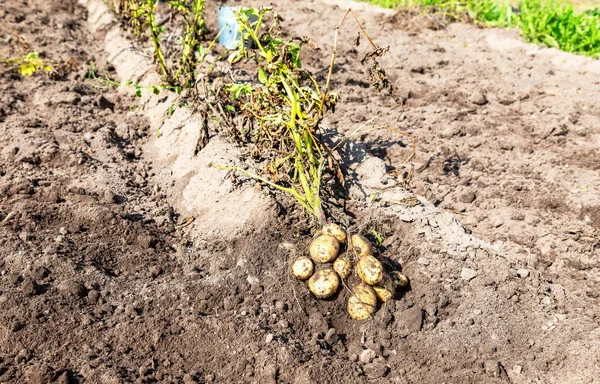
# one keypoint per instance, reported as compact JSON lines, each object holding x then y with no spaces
{"x":369,"y":283}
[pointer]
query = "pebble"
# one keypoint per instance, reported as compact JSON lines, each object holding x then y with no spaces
{"x":331,"y":336}
{"x":517,"y":369}
{"x":375,"y":370}
{"x":448,"y":132}
{"x":468,"y":274}
{"x":30,"y":287}
{"x":281,"y":306}
{"x":408,"y":321}
{"x":468,"y":197}
{"x":155,"y":271}
{"x":317,"y":322}
{"x":366,"y":356}
{"x":523,"y":273}
{"x":478,"y":98}
{"x":269,"y":338}
{"x":423,"y":261}
{"x":492,"y":368}
{"x":93,"y":296}
{"x":497,"y":222}
{"x":71,"y":288}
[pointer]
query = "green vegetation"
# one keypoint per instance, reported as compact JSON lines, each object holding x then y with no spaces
{"x":179,"y":72}
{"x":28,"y":64}
{"x":283,"y":110}
{"x":550,"y":22}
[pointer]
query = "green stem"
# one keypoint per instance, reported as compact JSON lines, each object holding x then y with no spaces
{"x":154,"y":34}
{"x":291,"y":191}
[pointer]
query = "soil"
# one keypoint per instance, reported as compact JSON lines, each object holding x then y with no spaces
{"x":99,"y":283}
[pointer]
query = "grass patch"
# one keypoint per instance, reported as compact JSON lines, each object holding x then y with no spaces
{"x":550,"y":22}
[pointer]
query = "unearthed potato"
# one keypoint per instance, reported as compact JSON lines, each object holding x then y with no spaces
{"x":370,"y":270}
{"x":303,"y":268}
{"x":324,"y":283}
{"x":384,"y":289}
{"x":360,"y":245}
{"x":324,"y":249}
{"x":336,"y":231}
{"x":363,"y":303}
{"x":342,"y":266}
{"x":399,"y":279}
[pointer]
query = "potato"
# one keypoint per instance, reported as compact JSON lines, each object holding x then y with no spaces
{"x":360,"y":245}
{"x":370,"y":270}
{"x":336,"y":231}
{"x":399,"y":279}
{"x":324,"y":283}
{"x":384,"y":290}
{"x":343,"y":266}
{"x":303,"y":268}
{"x":324,"y":249}
{"x":363,"y":303}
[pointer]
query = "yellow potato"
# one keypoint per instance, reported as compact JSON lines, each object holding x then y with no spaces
{"x":400,"y":280}
{"x":363,"y":303}
{"x":324,"y":249}
{"x":384,"y":290}
{"x":360,"y":245}
{"x":370,"y":270}
{"x":302,"y":268}
{"x":324,"y":283}
{"x":336,"y":231}
{"x":343,"y":266}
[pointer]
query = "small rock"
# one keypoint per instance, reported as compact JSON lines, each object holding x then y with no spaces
{"x":478,"y":98}
{"x":522,"y":273}
{"x":468,"y":274}
{"x":281,"y":306}
{"x":448,"y":132}
{"x":375,"y":370}
{"x":423,"y":261}
{"x":492,"y":368}
{"x":269,"y":338}
{"x":497,"y":222}
{"x":468,"y":197}
{"x":505,"y":145}
{"x":71,"y":288}
{"x":517,"y":369}
{"x":331,"y":336}
{"x":39,"y":273}
{"x":30,"y":287}
{"x":408,"y":321}
{"x":317,"y":322}
{"x":257,"y":289}
{"x":93,"y":296}
{"x":371,"y":171}
{"x":374,"y":346}
{"x":366,"y":356}
{"x":155,"y":271}
{"x":110,"y":197}
{"x":39,"y":374}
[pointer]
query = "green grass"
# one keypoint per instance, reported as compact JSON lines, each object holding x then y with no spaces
{"x":550,"y":22}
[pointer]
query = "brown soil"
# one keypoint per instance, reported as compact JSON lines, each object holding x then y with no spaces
{"x":97,"y":285}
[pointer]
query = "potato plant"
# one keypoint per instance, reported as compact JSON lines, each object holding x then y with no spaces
{"x":283,"y":110}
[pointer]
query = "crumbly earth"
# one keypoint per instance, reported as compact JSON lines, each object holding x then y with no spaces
{"x":99,"y":285}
